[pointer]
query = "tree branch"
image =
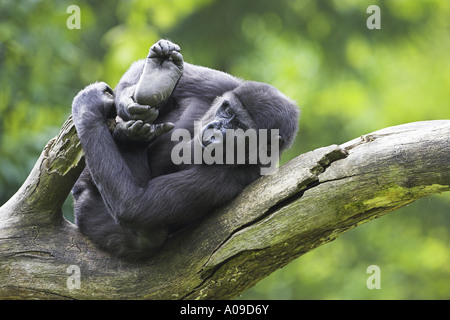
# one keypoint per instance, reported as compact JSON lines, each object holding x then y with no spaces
{"x":310,"y":201}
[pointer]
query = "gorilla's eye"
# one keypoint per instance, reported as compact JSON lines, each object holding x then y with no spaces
{"x":227,"y":109}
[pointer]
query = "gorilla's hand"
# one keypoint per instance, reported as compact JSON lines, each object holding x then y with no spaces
{"x":138,"y":131}
{"x":130,"y":110}
{"x":163,"y":68}
{"x":94,"y":102}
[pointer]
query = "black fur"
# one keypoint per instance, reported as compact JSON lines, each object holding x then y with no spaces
{"x":128,"y":200}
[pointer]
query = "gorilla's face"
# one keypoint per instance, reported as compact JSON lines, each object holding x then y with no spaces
{"x":225,"y":115}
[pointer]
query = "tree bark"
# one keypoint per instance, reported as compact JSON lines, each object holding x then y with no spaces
{"x":308,"y":202}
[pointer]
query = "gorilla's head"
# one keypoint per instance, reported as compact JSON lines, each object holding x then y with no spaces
{"x":270,"y":109}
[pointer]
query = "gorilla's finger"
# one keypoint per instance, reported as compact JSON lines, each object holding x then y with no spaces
{"x":156,"y":48}
{"x":172,"y":46}
{"x":177,"y":58}
{"x":145,"y":129}
{"x":128,"y":124}
{"x":165,"y":47}
{"x":136,"y":126}
{"x":136,"y":108}
{"x":151,"y":115}
{"x":163,"y":128}
{"x":152,"y":54}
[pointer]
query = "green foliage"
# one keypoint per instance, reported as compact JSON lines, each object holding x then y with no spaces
{"x":348,"y":80}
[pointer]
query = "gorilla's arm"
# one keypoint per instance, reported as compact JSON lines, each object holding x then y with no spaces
{"x":176,"y":198}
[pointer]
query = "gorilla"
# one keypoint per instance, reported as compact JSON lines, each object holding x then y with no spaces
{"x":131,"y":196}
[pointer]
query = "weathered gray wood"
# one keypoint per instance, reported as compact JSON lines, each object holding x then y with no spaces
{"x":310,"y":201}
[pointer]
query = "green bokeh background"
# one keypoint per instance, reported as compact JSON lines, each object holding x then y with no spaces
{"x":348,"y":80}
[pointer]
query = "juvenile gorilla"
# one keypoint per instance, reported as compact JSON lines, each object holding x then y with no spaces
{"x":131,"y":196}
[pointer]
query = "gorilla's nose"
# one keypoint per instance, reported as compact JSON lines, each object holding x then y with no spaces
{"x":210,"y":135}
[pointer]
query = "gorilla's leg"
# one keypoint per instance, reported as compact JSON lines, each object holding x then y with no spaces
{"x":163,"y":68}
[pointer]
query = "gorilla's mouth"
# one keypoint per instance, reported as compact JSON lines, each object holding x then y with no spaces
{"x":206,"y":143}
{"x":210,"y":136}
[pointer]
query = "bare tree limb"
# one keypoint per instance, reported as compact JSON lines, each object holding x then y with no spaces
{"x":310,"y":201}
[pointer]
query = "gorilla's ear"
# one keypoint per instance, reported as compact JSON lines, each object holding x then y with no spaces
{"x":280,"y":144}
{"x":280,"y":141}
